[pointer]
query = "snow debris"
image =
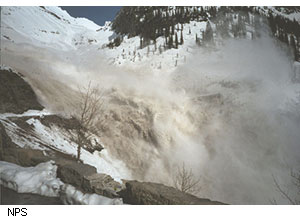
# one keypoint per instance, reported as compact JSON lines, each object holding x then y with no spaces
{"x":70,"y":195}
{"x":40,"y":179}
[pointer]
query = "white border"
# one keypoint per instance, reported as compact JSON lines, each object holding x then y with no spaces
{"x":152,"y":213}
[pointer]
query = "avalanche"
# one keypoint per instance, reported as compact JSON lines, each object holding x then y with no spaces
{"x":230,"y":112}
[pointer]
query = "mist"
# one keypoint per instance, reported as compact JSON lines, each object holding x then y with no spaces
{"x":252,"y":131}
{"x":230,"y":114}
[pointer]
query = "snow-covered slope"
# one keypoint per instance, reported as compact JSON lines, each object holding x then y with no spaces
{"x":50,"y":27}
{"x":54,"y":27}
{"x":155,"y":56}
{"x":283,"y":11}
{"x":43,"y":137}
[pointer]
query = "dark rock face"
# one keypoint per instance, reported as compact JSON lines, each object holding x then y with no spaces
{"x":16,"y":96}
{"x":73,"y":172}
{"x":5,"y":141}
{"x":66,"y":123}
{"x":11,"y":197}
{"x":24,"y":157}
{"x":86,"y":178}
{"x":101,"y":184}
{"x":146,"y":193}
{"x":11,"y":153}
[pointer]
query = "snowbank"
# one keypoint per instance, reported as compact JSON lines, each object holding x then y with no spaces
{"x":42,"y":180}
{"x":70,"y":195}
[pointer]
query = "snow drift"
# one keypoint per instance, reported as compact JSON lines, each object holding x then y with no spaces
{"x":42,"y":180}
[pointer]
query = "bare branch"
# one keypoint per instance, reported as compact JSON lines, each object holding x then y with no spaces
{"x":283,"y":192}
{"x":90,"y":109}
{"x":185,"y":181}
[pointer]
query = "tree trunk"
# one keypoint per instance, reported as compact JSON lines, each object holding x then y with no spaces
{"x":78,"y":152}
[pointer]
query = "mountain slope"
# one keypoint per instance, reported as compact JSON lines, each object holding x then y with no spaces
{"x":49,"y":27}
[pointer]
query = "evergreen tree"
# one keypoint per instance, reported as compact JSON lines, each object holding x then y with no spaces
{"x":208,"y":34}
{"x":181,"y":38}
{"x":272,"y":23}
{"x":170,"y":42}
{"x":141,"y":43}
{"x":117,"y":41}
{"x":241,"y":28}
{"x":257,"y":25}
{"x":294,"y":48}
{"x":286,"y":39}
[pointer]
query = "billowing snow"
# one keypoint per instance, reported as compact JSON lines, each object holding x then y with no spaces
{"x":250,"y":76}
{"x":42,"y":180}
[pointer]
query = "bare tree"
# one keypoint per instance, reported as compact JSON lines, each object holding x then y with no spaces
{"x":185,"y":181}
{"x":284,"y":193}
{"x":90,"y":109}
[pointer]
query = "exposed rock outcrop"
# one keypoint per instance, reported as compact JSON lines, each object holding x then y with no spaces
{"x":86,"y":178}
{"x":146,"y":193}
{"x":10,"y":152}
{"x":73,"y":172}
{"x":11,"y":197}
{"x":16,"y":96}
{"x":102,"y":184}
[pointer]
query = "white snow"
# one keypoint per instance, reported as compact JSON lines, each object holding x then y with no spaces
{"x":49,"y":27}
{"x":7,"y":68}
{"x":42,"y":180}
{"x":35,"y":27}
{"x":291,"y":16}
{"x":38,"y":27}
{"x":28,"y":113}
{"x":130,"y":54}
{"x":70,"y":195}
